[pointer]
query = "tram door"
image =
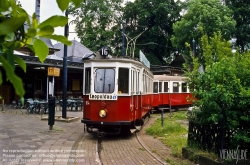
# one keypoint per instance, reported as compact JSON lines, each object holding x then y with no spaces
{"x":135,"y":94}
{"x":161,"y":101}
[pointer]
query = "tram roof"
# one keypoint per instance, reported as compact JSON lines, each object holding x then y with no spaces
{"x":169,"y":78}
{"x":119,"y":59}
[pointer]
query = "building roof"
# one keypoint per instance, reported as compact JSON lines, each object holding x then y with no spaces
{"x":75,"y":52}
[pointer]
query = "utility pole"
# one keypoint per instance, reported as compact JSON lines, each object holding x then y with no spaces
{"x":123,"y":32}
{"x":65,"y":71}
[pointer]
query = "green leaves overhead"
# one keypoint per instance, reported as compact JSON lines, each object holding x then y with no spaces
{"x":14,"y":79}
{"x":46,"y":30}
{"x":60,"y":38}
{"x":41,"y":49}
{"x":18,"y":30}
{"x":63,"y":4}
{"x":54,"y":21}
{"x":12,"y":24}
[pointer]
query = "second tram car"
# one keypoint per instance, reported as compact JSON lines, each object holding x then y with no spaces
{"x":170,"y":92}
{"x":117,"y":94}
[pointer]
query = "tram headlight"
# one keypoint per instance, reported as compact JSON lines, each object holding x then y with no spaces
{"x":102,"y":113}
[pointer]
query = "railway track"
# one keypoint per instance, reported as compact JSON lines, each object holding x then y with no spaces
{"x":130,"y":149}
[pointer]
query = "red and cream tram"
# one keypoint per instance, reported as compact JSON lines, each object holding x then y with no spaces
{"x":170,"y":92}
{"x":117,"y":95}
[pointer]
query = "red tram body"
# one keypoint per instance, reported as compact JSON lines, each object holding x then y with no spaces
{"x":118,"y":94}
{"x":170,"y":92}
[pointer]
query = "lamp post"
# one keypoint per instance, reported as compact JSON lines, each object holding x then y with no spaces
{"x":65,"y":71}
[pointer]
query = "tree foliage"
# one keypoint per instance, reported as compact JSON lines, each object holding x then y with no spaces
{"x":222,"y":91}
{"x":157,"y":18}
{"x":13,"y":36}
{"x":98,"y":23}
{"x":210,"y":16}
{"x":241,"y":15}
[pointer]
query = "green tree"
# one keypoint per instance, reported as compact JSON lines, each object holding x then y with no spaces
{"x":210,"y":16}
{"x":13,"y":36}
{"x":158,"y":17}
{"x":241,"y":15}
{"x":98,"y":22}
{"x":222,"y":91}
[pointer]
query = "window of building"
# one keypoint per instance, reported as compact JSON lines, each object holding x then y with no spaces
{"x":76,"y":86}
{"x":39,"y":85}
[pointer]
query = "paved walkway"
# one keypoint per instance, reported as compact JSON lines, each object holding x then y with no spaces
{"x":27,"y":140}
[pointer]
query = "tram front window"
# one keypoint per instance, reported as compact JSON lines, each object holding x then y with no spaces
{"x":104,"y":80}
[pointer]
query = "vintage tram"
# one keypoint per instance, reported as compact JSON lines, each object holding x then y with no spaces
{"x":117,"y":94}
{"x":170,"y":92}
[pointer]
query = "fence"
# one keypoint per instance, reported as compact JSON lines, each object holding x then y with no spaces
{"x":208,"y":137}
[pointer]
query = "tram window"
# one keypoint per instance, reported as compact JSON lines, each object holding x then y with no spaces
{"x":138,"y":82}
{"x":104,"y":80}
{"x":160,"y":86}
{"x":123,"y":80}
{"x":165,"y":87}
{"x":87,"y":80}
{"x":175,"y":87}
{"x":184,"y":87}
{"x":155,"y":87}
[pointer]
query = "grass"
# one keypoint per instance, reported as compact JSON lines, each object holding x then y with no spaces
{"x":173,"y":133}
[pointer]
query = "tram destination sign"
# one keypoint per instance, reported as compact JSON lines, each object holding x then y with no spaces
{"x":144,"y":59}
{"x":103,"y":97}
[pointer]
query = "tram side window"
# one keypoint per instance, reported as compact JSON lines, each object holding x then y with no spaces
{"x":175,"y":87}
{"x":165,"y":87}
{"x":123,"y":80}
{"x":155,"y":87}
{"x":87,"y":80}
{"x":184,"y":87}
{"x":104,"y":80}
{"x":160,"y":86}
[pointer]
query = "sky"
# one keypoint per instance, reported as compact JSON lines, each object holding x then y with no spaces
{"x":47,"y":9}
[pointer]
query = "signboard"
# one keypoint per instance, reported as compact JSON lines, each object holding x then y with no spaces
{"x":52,"y":71}
{"x":144,"y":59}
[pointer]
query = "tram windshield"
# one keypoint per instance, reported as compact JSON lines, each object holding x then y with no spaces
{"x":104,"y":80}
